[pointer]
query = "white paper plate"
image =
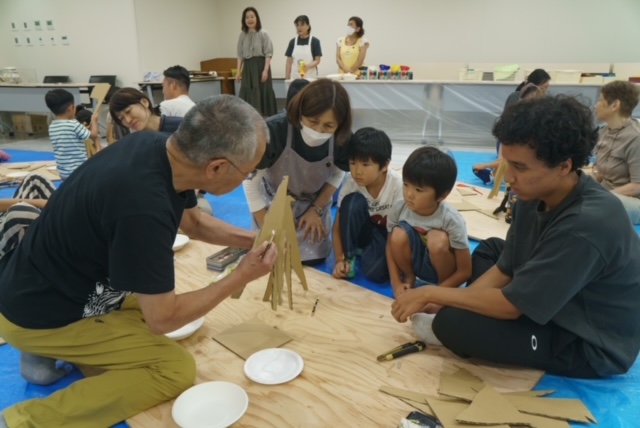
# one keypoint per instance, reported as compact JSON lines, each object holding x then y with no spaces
{"x":210,"y":405}
{"x":180,"y":242}
{"x":334,"y":76}
{"x":273,"y":366}
{"x":18,"y":174}
{"x":187,"y":330}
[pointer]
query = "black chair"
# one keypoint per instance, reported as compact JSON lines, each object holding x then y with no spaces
{"x":110,"y":79}
{"x":56,"y":79}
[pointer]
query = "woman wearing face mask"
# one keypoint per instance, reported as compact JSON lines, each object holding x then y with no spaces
{"x":305,"y":48}
{"x":352,"y":49}
{"x":308,"y":144}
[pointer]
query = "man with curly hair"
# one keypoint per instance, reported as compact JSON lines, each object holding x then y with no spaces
{"x":562,"y":293}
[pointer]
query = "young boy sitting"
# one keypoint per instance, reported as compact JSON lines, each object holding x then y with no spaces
{"x":67,"y":135}
{"x":427,"y":237}
{"x":366,"y":197}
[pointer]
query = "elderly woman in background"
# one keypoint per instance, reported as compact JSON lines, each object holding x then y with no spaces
{"x":255,"y":51}
{"x":617,"y":165}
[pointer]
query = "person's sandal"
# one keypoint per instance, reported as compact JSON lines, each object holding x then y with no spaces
{"x":352,"y":267}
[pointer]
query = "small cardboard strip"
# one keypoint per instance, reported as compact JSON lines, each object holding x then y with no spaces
{"x":250,"y":337}
{"x":490,"y":408}
{"x":403,"y":393}
{"x":559,"y":408}
{"x":2,"y":341}
{"x":465,"y":191}
{"x":464,"y":205}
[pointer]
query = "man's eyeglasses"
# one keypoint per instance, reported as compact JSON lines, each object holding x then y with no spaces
{"x":248,"y":176}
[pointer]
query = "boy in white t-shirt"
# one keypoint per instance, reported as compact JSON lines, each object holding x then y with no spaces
{"x":365,"y":199}
{"x":427,"y":237}
{"x":175,"y":89}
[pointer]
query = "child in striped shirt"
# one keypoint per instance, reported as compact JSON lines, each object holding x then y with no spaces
{"x":67,"y":135}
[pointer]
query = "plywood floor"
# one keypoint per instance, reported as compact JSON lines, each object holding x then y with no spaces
{"x":339,"y":344}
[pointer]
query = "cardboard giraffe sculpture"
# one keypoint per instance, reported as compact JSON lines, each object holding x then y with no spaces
{"x":280,"y":219}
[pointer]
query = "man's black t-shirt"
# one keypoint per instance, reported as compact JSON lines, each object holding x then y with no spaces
{"x":106,"y":232}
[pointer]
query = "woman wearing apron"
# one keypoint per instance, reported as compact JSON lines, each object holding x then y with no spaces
{"x":352,"y":49}
{"x":303,"y":48}
{"x":254,"y":64}
{"x":308,"y":144}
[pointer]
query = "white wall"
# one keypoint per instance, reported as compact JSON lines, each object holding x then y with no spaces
{"x":102,"y":37}
{"x":453,"y":31}
{"x":130,"y":37}
{"x":172,"y":32}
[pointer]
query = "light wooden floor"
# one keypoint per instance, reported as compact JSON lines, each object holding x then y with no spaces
{"x":339,"y":345}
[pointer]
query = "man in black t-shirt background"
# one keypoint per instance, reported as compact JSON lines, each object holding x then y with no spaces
{"x":562,"y":293}
{"x":92,"y":282}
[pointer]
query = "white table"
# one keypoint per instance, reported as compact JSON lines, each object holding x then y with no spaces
{"x":451,"y":112}
{"x":23,"y":97}
{"x":199,"y":89}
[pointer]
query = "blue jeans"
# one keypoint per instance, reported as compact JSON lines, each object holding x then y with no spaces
{"x":358,"y":231}
{"x":420,"y":260}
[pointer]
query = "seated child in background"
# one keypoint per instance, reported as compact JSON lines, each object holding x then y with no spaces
{"x":67,"y":135}
{"x":365,"y":199}
{"x":427,"y":237}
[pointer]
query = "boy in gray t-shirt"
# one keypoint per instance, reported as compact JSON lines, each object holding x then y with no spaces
{"x":427,"y":237}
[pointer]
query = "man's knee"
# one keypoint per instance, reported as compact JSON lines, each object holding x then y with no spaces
{"x":178,"y":369}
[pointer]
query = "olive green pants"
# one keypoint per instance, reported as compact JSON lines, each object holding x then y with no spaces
{"x":141,"y":370}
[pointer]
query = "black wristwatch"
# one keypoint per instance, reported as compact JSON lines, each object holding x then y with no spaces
{"x":318,"y":210}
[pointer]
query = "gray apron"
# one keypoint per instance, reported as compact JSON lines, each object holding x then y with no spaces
{"x":306,"y":180}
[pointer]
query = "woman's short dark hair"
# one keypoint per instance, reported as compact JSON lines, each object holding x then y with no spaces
{"x":245,"y":28}
{"x":358,"y":22}
{"x":430,"y":167}
{"x":626,"y":92}
{"x":302,"y":19}
{"x":557,"y":128}
{"x":538,"y":77}
{"x":318,"y":97}
{"x":370,"y":144}
{"x":124,"y":98}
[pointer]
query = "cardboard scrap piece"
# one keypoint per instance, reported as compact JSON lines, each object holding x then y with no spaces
{"x":403,"y":393}
{"x":461,"y":384}
{"x":250,"y":337}
{"x":99,"y":93}
{"x":2,"y":341}
{"x":465,"y":191}
{"x":447,"y":410}
{"x":488,"y":213}
{"x":464,"y":205}
{"x":542,"y":393}
{"x":544,"y":422}
{"x":489,"y":407}
{"x":559,"y":408}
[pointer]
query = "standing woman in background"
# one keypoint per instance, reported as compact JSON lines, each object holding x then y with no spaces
{"x":255,"y":51}
{"x":352,"y":49}
{"x":305,"y":48}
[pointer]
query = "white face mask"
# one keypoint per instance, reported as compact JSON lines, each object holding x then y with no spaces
{"x":312,"y":137}
{"x":350,"y":31}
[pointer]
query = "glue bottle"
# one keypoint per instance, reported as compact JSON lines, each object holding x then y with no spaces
{"x":301,"y":68}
